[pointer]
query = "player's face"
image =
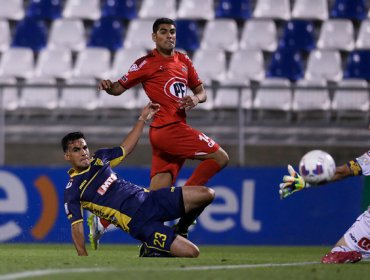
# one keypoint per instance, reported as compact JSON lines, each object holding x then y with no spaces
{"x":165,"y":38}
{"x":78,"y":154}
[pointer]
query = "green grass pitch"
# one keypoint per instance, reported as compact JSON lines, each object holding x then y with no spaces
{"x":55,"y":261}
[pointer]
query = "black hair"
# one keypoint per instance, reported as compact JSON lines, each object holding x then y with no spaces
{"x":70,"y":137}
{"x":160,"y":21}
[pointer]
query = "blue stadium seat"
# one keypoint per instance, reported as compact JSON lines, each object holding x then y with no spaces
{"x":236,"y":9}
{"x":286,"y":63}
{"x":44,"y":9}
{"x":31,"y":33}
{"x":120,"y":9}
{"x":298,"y":35}
{"x":187,"y":35}
{"x":358,"y":65}
{"x":351,"y":9}
{"x":108,"y":33}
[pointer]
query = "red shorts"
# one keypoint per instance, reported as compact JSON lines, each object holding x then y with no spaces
{"x":174,"y":143}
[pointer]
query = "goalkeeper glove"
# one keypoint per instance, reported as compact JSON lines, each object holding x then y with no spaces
{"x":291,"y":183}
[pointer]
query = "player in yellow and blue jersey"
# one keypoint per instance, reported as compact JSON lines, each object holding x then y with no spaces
{"x":94,"y":186}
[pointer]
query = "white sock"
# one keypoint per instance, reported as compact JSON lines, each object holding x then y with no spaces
{"x":340,"y":249}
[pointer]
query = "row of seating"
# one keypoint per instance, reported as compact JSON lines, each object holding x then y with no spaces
{"x":244,"y":66}
{"x":192,"y":9}
{"x":217,"y":34}
{"x":273,"y":94}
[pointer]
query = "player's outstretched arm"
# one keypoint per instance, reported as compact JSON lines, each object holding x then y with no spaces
{"x":110,"y":87}
{"x":291,"y":183}
{"x":133,"y":136}
{"x":79,"y":238}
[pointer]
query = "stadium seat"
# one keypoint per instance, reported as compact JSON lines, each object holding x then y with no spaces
{"x":270,"y":98}
{"x":235,"y":9}
{"x":308,"y":99}
{"x":221,"y":34}
{"x":187,"y":35}
{"x":126,"y":101}
{"x":30,"y":33}
{"x":272,"y":9}
{"x":39,"y":97}
{"x":107,"y":32}
{"x":92,"y":63}
{"x":337,"y":34}
{"x":142,"y":98}
{"x":351,"y":95}
{"x":358,"y":65}
{"x":67,"y":33}
{"x":5,"y":36}
{"x":157,"y":8}
{"x":44,"y":9}
{"x":286,"y":63}
{"x":120,"y":9}
{"x":54,"y":63}
{"x":74,"y":97}
{"x":229,"y":98}
{"x":139,"y":34}
{"x":11,"y":9}
{"x":245,"y":65}
{"x":210,"y":65}
{"x":298,"y":35}
{"x":17,"y":62}
{"x":324,"y":64}
{"x":363,"y":37}
{"x":122,"y":61}
{"x":310,"y":9}
{"x":82,"y":9}
{"x":350,"y":9}
{"x":259,"y":34}
{"x":10,"y":94}
{"x":195,"y":9}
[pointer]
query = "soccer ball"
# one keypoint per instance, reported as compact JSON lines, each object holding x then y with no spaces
{"x":317,"y":167}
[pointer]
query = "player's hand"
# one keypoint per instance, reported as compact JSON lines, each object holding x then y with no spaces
{"x":105,"y":85}
{"x":188,"y":102}
{"x":149,"y":111}
{"x":291,"y":183}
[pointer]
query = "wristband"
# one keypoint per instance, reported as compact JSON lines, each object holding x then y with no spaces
{"x":142,"y":119}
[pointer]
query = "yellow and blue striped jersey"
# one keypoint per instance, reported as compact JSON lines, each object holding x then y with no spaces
{"x":99,"y":190}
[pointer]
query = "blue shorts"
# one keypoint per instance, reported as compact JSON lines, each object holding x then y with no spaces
{"x":147,"y":224}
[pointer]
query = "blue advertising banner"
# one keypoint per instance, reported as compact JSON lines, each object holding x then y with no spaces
{"x":247,"y":209}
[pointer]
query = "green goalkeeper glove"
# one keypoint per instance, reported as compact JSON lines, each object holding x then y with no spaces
{"x":291,"y":183}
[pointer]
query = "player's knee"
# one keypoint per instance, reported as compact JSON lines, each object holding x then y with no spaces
{"x":208,"y":194}
{"x":222,"y":158}
{"x":192,"y":252}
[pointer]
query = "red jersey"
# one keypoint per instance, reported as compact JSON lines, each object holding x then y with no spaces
{"x":165,"y":81}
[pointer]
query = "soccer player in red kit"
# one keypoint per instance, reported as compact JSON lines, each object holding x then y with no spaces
{"x":165,"y":75}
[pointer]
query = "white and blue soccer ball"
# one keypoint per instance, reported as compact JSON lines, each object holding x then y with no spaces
{"x":317,"y":167}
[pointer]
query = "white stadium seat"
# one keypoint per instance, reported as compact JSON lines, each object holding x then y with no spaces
{"x":11,"y":9}
{"x":210,"y":65}
{"x":5,"y":36}
{"x":363,"y":37}
{"x":10,"y":94}
{"x":73,"y":98}
{"x":274,"y":9}
{"x":346,"y":99}
{"x":139,"y":34}
{"x":221,"y":34}
{"x":67,"y":33}
{"x":82,"y":9}
{"x":54,"y":63}
{"x":17,"y":62}
{"x":92,"y":63}
{"x":323,"y":64}
{"x":306,"y":99}
{"x":337,"y":34}
{"x":259,"y":34}
{"x":195,"y":9}
{"x":279,"y":98}
{"x":123,"y":59}
{"x":310,"y":9}
{"x":245,"y":65}
{"x":39,"y":97}
{"x":158,"y":8}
